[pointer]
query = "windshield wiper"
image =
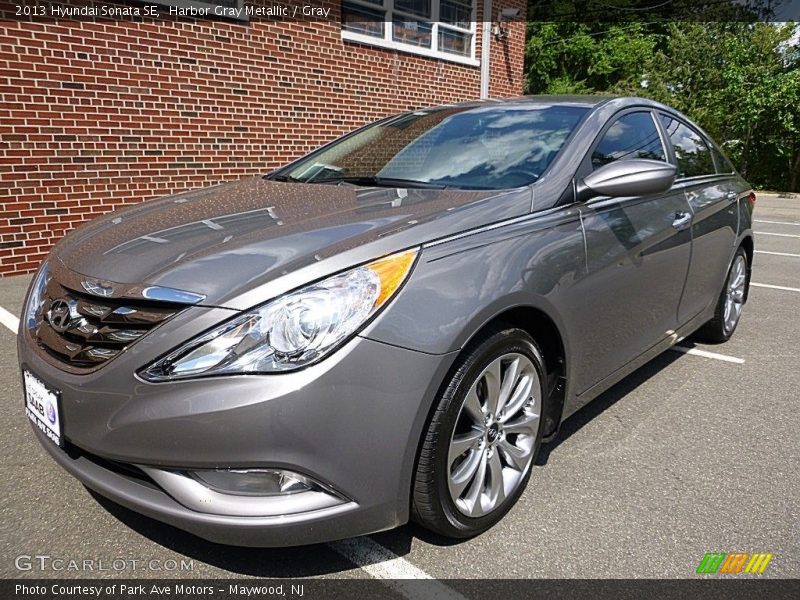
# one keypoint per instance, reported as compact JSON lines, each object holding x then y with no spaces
{"x":381,"y":182}
{"x":283,"y":178}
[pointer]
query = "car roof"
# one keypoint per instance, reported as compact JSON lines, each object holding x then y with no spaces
{"x":587,"y":101}
{"x":584,"y":100}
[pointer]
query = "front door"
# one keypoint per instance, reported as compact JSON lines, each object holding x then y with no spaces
{"x":638,"y":252}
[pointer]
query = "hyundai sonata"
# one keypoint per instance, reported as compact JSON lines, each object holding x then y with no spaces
{"x":387,"y":328}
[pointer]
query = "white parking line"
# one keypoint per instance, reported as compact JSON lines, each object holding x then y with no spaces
{"x":706,"y":354}
{"x":775,"y":287}
{"x":9,"y":320}
{"x":777,"y":253}
{"x":776,"y":222}
{"x":791,"y":235}
{"x":394,"y":571}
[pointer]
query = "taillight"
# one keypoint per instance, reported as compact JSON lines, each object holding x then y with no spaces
{"x":751,"y":198}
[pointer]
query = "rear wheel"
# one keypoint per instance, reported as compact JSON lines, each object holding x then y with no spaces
{"x":730,"y":303}
{"x":477,"y":453}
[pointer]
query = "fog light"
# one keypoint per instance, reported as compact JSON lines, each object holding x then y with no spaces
{"x":256,"y":482}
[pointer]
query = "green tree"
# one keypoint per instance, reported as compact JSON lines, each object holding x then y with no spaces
{"x":740,"y":81}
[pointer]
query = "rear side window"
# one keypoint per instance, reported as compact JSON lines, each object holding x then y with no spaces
{"x":633,"y":135}
{"x":692,"y":153}
{"x":723,"y":164}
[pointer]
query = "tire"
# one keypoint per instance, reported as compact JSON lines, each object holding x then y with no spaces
{"x":732,"y":298}
{"x":501,"y":451}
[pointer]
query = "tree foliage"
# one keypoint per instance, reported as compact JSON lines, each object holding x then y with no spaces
{"x":740,"y":81}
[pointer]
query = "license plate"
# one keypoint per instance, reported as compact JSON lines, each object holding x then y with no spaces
{"x":42,"y":407}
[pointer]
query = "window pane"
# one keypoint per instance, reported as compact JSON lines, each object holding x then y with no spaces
{"x":456,"y":12}
{"x":491,"y":147}
{"x":454,"y":42}
{"x":420,"y":8}
{"x":362,"y":20}
{"x":723,"y":164}
{"x":694,"y":157}
{"x":415,"y":33}
{"x":631,"y":136}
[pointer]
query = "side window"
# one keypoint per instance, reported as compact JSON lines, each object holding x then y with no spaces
{"x":692,"y":153}
{"x":722,"y":162}
{"x":631,"y":136}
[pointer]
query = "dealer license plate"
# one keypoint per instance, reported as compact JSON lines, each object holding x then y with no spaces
{"x":42,"y":407}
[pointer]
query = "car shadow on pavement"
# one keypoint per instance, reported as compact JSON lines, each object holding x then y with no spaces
{"x":605,"y":401}
{"x":321,"y":559}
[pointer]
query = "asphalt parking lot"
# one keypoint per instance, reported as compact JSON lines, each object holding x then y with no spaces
{"x":690,"y":454}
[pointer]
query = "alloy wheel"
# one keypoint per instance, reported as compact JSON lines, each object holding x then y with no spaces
{"x":734,"y":298}
{"x":492,"y":445}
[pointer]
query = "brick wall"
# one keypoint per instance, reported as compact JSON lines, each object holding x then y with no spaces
{"x":95,"y":115}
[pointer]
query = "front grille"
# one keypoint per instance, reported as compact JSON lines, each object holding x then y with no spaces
{"x":83,"y":331}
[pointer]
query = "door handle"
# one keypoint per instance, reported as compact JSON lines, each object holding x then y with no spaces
{"x":732,"y":196}
{"x":682,"y":220}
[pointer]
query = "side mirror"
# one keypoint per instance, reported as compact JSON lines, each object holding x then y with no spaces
{"x":634,"y":177}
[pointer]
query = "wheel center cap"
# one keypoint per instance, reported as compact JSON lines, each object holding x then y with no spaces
{"x":493,"y":433}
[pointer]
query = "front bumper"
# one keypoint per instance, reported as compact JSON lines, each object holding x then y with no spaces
{"x":352,"y":422}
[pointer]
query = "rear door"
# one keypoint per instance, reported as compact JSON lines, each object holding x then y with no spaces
{"x":638,"y":252}
{"x":713,"y":195}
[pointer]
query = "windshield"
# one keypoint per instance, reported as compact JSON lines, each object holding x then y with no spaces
{"x":491,"y":147}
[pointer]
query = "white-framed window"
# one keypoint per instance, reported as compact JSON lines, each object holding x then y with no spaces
{"x":439,"y":28}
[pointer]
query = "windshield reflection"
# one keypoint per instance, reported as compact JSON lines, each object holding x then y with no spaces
{"x":488,"y":147}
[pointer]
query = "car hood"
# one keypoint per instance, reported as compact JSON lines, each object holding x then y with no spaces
{"x":229,"y":241}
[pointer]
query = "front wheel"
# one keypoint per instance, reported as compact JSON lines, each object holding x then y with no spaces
{"x":476,"y":457}
{"x":729,"y":304}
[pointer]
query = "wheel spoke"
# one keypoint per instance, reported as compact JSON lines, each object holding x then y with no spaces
{"x":473,"y":497}
{"x":740,"y":273}
{"x":522,"y":392}
{"x":465,"y":473}
{"x":472,"y":405}
{"x":525,"y":423}
{"x":462,"y":443}
{"x":507,"y":387}
{"x":515,"y":456}
{"x":492,"y":377}
{"x":497,"y":492}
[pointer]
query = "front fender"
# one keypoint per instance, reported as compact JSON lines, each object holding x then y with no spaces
{"x":458,"y":287}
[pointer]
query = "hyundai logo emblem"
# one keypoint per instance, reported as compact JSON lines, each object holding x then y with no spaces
{"x":59,"y":316}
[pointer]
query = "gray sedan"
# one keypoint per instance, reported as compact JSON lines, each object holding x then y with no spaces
{"x":387,"y":328}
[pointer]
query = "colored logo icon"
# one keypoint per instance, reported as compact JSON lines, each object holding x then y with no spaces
{"x":51,"y":413}
{"x":734,"y":562}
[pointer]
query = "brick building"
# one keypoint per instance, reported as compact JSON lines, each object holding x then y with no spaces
{"x":95,"y":114}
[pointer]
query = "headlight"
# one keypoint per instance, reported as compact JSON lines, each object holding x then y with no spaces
{"x":293,"y":330}
{"x":36,"y":297}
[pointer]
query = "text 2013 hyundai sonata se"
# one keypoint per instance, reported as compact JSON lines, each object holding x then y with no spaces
{"x":387,"y":328}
